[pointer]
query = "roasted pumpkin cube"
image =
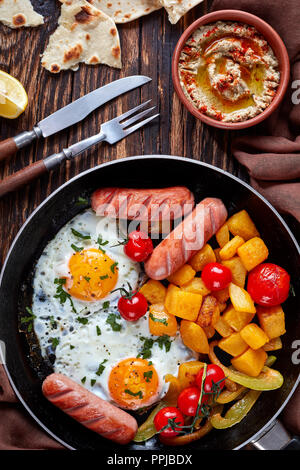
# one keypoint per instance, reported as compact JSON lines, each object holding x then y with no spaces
{"x":254,"y":336}
{"x":237,"y":320}
{"x":250,"y":362}
{"x":242,"y":225}
{"x":230,"y":249}
{"x":223,"y":328}
{"x":240,"y":299}
{"x":222,"y":235}
{"x":183,"y":275}
{"x":209,"y":331}
{"x":154,"y":291}
{"x":209,"y":312}
{"x":194,"y":337}
{"x":222,"y":295}
{"x":253,"y":252}
{"x":237,"y":269}
{"x":272,"y":320}
{"x":233,"y":344}
{"x":161,"y":322}
{"x":196,"y":286}
{"x":183,"y":304}
{"x":201,"y":258}
{"x":273,"y":345}
{"x":187,"y":373}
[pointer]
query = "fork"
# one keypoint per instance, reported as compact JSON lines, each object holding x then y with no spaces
{"x":111,"y":132}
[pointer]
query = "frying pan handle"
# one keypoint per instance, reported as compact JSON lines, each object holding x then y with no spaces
{"x":276,"y":437}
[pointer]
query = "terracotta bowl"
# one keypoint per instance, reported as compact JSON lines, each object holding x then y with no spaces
{"x":271,"y":37}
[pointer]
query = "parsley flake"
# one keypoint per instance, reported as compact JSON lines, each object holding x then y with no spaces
{"x":111,"y":320}
{"x":101,"y":367}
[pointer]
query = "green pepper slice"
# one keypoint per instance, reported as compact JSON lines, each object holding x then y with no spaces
{"x":236,"y":413}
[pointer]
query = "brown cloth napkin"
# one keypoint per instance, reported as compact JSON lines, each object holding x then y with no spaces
{"x":272,"y":158}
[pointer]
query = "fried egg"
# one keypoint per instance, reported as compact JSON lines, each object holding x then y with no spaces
{"x":75,"y":294}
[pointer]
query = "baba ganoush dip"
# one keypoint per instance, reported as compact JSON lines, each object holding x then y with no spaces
{"x":228,"y":71}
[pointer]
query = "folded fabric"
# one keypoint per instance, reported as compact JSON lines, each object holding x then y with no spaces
{"x":271,"y":154}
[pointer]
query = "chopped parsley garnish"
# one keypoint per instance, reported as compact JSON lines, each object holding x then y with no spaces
{"x":113,"y":266}
{"x":53,"y":323}
{"x":76,"y":248}
{"x":28,"y":319}
{"x":98,"y":330}
{"x":81,"y":201}
{"x":54,"y":342}
{"x":80,"y":235}
{"x":104,"y":277}
{"x":162,"y":341}
{"x":61,"y":294}
{"x":106,"y":304}
{"x":83,"y":380}
{"x":158,"y":320}
{"x":82,"y":320}
{"x":101,"y":367}
{"x":148,"y":375}
{"x":93,"y":381}
{"x":87,"y":278}
{"x":71,"y":346}
{"x":101,"y":243}
{"x":137,"y":394}
{"x":112,"y":321}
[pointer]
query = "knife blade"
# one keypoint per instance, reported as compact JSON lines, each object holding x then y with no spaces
{"x":71,"y":113}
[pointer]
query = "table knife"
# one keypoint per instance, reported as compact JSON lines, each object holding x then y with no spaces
{"x":71,"y":114}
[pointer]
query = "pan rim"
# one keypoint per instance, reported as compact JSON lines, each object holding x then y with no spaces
{"x":113,"y":162}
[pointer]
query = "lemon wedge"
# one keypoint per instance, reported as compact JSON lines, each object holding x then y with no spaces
{"x":13,"y":97}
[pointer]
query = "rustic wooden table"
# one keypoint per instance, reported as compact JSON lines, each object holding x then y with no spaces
{"x":147,"y":47}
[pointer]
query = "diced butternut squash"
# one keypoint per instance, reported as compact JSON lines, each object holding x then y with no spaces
{"x":183,"y":304}
{"x":254,"y":336}
{"x":209,"y":331}
{"x":154,"y":291}
{"x":222,"y":295}
{"x":201,"y":258}
{"x":241,"y":224}
{"x":161,"y":322}
{"x":187,"y":373}
{"x":233,"y":345}
{"x":237,"y":269}
{"x":196,"y":286}
{"x":209,"y":312}
{"x":222,"y":235}
{"x":217,"y":254}
{"x":223,"y":328}
{"x":184,"y":274}
{"x":272,"y":320}
{"x":237,"y":320}
{"x":253,"y":252}
{"x":240,"y":299}
{"x":169,"y":296}
{"x":250,"y":362}
{"x":273,"y":345}
{"x":193,"y":336}
{"x":230,"y":249}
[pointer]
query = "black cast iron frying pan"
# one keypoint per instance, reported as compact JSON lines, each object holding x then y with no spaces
{"x":146,"y":171}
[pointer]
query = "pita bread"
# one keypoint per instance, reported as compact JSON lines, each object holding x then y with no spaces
{"x":84,"y":34}
{"x":177,"y":8}
{"x":123,"y":11}
{"x":18,"y":13}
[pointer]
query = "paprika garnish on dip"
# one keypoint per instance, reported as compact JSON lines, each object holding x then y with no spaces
{"x":229,"y":71}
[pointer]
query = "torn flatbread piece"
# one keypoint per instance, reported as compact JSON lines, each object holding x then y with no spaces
{"x":18,"y":13}
{"x":123,"y":11}
{"x":84,"y":34}
{"x":177,"y":8}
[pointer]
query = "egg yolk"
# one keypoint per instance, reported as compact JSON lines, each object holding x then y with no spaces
{"x":133,"y":383}
{"x":93,"y":275}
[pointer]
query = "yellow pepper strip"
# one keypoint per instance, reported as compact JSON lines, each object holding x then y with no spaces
{"x":268,"y":379}
{"x":173,"y":391}
{"x":236,"y":413}
{"x":227,"y":395}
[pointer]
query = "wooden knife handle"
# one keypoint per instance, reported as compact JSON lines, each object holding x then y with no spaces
{"x":22,"y":177}
{"x":8,"y":148}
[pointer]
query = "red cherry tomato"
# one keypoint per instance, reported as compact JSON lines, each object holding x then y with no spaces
{"x":216,"y":276}
{"x":268,"y":284}
{"x":133,"y":306}
{"x":214,"y":374}
{"x":161,"y":420}
{"x":139,"y":246}
{"x":188,"y":400}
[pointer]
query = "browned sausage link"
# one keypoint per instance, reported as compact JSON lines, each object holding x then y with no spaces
{"x":186,"y":239}
{"x":88,"y":409}
{"x":143,"y":204}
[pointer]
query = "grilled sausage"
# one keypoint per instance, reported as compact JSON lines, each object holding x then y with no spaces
{"x":143,"y":204}
{"x":90,"y":410}
{"x":186,"y":239}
